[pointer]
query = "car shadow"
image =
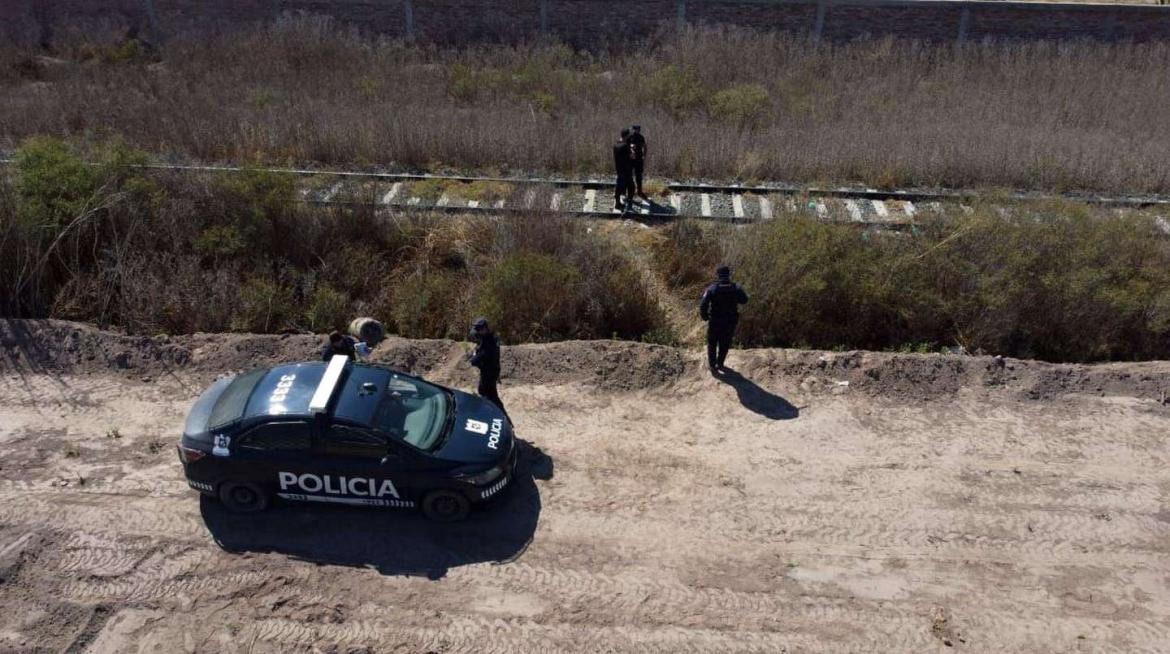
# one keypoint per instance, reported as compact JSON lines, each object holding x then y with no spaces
{"x":393,"y":542}
{"x":756,"y":399}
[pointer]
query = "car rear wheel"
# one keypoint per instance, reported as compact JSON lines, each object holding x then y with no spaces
{"x":445,"y":506}
{"x":243,"y":497}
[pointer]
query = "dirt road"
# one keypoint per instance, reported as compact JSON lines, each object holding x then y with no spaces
{"x":932,"y":504}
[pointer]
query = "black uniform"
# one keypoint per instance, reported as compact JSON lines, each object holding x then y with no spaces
{"x":637,"y":159}
{"x":347,"y":347}
{"x":487,"y":358}
{"x":624,"y":167}
{"x":720,"y":308}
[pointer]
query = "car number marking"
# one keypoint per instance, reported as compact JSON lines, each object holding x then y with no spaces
{"x":282,"y":388}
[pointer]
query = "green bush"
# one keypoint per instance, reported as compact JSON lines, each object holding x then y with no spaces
{"x":221,"y":241}
{"x":263,"y":306}
{"x":428,"y":305}
{"x":53,"y":184}
{"x":674,"y":88}
{"x":1062,"y":285}
{"x":816,"y":283}
{"x":626,"y":309}
{"x":257,"y":209}
{"x":531,"y":297}
{"x":328,"y":309}
{"x":688,"y":255}
{"x":746,"y":105}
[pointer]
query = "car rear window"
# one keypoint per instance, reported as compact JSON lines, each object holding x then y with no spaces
{"x":230,"y":406}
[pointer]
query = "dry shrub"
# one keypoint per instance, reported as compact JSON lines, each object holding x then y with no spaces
{"x":1028,"y":115}
{"x":687,"y":255}
{"x":532,"y":297}
{"x":1060,"y":284}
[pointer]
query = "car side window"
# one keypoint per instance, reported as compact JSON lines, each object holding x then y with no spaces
{"x":354,"y":436}
{"x":278,"y":436}
{"x":344,"y":440}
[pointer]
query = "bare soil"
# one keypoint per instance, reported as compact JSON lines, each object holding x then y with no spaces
{"x":930,"y":503}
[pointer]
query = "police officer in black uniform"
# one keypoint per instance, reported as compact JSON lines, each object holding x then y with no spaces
{"x":486,"y":357}
{"x":339,"y":344}
{"x":638,"y":158}
{"x":623,"y":164}
{"x":720,"y":308}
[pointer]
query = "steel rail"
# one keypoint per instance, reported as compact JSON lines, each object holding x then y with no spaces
{"x":911,"y":195}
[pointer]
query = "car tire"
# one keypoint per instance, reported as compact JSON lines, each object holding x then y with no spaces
{"x":243,"y":497}
{"x":445,"y":506}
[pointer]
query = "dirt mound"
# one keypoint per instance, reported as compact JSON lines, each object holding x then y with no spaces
{"x":66,"y":347}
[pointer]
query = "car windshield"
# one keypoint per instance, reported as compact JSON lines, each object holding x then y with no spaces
{"x":414,"y":411}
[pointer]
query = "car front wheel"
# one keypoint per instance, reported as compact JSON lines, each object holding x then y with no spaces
{"x":445,"y":506}
{"x":243,"y":497}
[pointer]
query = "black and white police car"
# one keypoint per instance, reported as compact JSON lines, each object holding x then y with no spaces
{"x":346,"y":433}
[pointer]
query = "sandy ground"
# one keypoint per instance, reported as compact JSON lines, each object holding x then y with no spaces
{"x":934,"y":503}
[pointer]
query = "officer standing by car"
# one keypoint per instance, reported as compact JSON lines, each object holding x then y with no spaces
{"x":623,"y":165}
{"x":719,"y":307}
{"x":339,"y":344}
{"x":486,"y":357}
{"x":638,"y":158}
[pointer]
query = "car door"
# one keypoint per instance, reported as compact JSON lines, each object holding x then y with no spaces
{"x":364,"y":467}
{"x":275,"y":455}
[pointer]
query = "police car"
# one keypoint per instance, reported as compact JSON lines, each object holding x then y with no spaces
{"x":346,"y":433}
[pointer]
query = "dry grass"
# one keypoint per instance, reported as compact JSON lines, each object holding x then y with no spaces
{"x":176,"y":253}
{"x":716,"y":103}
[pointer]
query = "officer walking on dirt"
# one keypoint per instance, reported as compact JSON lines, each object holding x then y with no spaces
{"x":623,"y":164}
{"x":719,"y":307}
{"x":486,"y":357}
{"x":638,"y":158}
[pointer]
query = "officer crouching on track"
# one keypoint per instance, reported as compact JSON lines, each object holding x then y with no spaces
{"x":719,"y":307}
{"x":486,"y":357}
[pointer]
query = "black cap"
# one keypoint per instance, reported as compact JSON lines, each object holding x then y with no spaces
{"x":637,"y":128}
{"x":479,"y":323}
{"x":723,"y":272}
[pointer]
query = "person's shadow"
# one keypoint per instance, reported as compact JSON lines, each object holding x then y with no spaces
{"x":391,"y":541}
{"x":657,"y":212}
{"x":756,"y":399}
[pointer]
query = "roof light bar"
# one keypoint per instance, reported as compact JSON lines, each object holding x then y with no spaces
{"x":328,"y":384}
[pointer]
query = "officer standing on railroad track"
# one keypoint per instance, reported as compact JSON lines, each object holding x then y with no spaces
{"x":486,"y":357}
{"x":623,"y":165}
{"x":719,"y":307}
{"x":638,"y":158}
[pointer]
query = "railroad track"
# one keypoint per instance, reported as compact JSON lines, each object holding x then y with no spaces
{"x":593,"y":197}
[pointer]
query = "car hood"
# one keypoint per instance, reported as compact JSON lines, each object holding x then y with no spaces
{"x":196,"y":426}
{"x":480,"y":434}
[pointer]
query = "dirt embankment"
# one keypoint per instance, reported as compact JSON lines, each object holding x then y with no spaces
{"x":65,"y":347}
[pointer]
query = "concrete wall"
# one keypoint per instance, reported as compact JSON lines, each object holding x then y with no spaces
{"x":598,"y":23}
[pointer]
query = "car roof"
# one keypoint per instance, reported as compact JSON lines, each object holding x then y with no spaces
{"x":284,"y":391}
